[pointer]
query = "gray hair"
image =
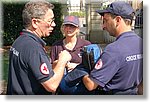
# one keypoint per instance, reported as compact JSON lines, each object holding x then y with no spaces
{"x":35,"y":9}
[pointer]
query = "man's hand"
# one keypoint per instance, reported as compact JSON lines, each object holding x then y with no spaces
{"x":64,"y":56}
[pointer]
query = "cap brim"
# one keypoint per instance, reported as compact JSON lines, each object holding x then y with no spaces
{"x":101,"y":12}
{"x":71,"y":24}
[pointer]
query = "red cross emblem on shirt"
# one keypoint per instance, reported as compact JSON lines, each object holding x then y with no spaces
{"x":44,"y":69}
{"x":99,"y":64}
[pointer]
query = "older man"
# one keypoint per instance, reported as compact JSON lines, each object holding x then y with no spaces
{"x":30,"y":70}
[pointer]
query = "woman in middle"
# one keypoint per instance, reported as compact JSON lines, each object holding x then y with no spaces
{"x":70,"y":28}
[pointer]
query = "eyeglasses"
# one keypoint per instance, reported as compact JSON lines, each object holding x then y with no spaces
{"x":48,"y":22}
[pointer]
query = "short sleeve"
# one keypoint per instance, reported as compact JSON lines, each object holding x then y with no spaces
{"x":109,"y":67}
{"x":40,"y":65}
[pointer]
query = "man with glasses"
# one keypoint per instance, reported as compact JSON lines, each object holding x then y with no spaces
{"x":30,"y":69}
{"x":120,"y":69}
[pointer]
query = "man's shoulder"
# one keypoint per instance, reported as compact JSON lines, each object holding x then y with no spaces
{"x":27,"y":42}
{"x":113,"y":49}
{"x":111,"y":46}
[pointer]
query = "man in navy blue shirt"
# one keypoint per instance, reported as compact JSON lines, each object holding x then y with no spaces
{"x":30,"y":69}
{"x":120,"y":69}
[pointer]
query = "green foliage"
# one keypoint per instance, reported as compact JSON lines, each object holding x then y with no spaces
{"x":5,"y":64}
{"x":79,"y":14}
{"x":12,"y":20}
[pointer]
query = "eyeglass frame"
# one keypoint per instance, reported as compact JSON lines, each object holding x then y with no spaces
{"x":48,"y":22}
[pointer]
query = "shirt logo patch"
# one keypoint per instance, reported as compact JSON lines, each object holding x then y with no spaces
{"x":44,"y":69}
{"x":99,"y":64}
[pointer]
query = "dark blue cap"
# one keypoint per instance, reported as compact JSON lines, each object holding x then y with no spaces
{"x":119,"y":8}
{"x":73,"y":20}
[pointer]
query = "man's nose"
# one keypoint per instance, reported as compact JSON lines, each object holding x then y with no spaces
{"x":53,"y":24}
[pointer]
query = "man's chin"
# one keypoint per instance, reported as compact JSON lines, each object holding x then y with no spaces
{"x":48,"y":34}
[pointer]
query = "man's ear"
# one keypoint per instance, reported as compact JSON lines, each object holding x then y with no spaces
{"x":118,"y":19}
{"x":34,"y":23}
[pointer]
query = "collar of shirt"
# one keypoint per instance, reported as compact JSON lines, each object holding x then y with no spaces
{"x":129,"y":33}
{"x":36,"y":38}
{"x":79,"y":45}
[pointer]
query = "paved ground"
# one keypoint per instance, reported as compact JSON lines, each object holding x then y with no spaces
{"x":3,"y":87}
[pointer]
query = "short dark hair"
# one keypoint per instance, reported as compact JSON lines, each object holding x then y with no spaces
{"x":127,"y":21}
{"x":35,"y":9}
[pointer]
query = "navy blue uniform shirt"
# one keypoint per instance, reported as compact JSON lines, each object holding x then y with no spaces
{"x":120,"y":67}
{"x":29,"y":65}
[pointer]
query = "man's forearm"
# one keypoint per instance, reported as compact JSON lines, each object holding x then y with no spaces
{"x":89,"y":84}
{"x":52,"y":84}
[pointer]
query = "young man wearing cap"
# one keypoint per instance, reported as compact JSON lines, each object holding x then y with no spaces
{"x":73,"y":45}
{"x":120,"y":69}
